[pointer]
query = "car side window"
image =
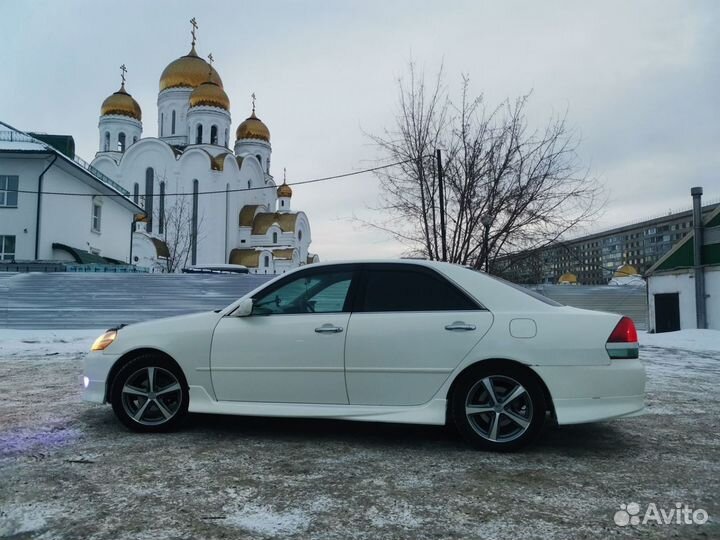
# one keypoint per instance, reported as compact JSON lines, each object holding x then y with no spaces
{"x":403,"y":290}
{"x":318,"y":293}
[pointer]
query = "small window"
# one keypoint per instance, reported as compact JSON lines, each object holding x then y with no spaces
{"x":136,"y":193}
{"x":213,"y":135}
{"x":274,"y":238}
{"x":266,"y":261}
{"x":134,"y":139}
{"x":7,"y":248}
{"x":198,"y":134}
{"x":96,"y":215}
{"x":106,"y":144}
{"x":282,"y":203}
{"x":162,"y":124}
{"x":249,"y":184}
{"x":227,"y":140}
{"x":172,"y":123}
{"x":320,"y":293}
{"x":8,"y":191}
{"x":259,"y":159}
{"x":408,"y":290}
{"x":121,"y":142}
{"x":299,"y":236}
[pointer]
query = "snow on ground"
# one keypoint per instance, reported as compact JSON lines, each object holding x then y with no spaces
{"x":43,"y":343}
{"x":689,"y":340}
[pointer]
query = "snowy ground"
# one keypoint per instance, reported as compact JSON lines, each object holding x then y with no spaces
{"x":68,"y":470}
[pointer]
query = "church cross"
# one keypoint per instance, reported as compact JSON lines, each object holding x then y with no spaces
{"x":210,"y":57}
{"x":284,"y":175}
{"x":253,"y":101}
{"x":123,"y":70}
{"x":194,"y":24}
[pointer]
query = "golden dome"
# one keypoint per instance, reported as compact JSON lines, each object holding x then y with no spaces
{"x":253,"y":128}
{"x":121,"y":103}
{"x":188,"y":71}
{"x":211,"y":95}
{"x":284,"y":191}
{"x":625,"y":270}
{"x":568,"y":279}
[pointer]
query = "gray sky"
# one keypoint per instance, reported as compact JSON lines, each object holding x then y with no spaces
{"x":639,"y":80}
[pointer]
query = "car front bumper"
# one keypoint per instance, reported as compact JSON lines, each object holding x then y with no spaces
{"x":583,"y":394}
{"x":96,"y":368}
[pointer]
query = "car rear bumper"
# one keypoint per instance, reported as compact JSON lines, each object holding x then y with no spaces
{"x":583,"y":394}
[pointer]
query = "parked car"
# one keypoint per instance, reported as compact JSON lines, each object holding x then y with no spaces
{"x":388,"y":341}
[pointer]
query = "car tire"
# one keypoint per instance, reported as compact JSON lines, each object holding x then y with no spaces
{"x":497,"y":406}
{"x":150,"y":394}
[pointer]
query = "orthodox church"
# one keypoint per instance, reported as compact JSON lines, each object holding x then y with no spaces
{"x":206,"y":203}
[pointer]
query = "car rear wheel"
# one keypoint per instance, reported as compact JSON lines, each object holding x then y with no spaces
{"x":498,"y":407}
{"x":149,"y":394}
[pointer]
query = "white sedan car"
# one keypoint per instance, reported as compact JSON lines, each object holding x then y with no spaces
{"x":384,"y":341}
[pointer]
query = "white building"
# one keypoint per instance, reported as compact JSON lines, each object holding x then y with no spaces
{"x":230,"y":209}
{"x":92,"y":226}
{"x":671,"y":282}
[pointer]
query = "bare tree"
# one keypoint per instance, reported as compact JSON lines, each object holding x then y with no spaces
{"x":507,"y":188}
{"x":177,"y":229}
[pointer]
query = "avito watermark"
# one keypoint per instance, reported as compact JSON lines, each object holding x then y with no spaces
{"x":680,"y":514}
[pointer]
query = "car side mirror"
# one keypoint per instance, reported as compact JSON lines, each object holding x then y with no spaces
{"x":244,"y":309}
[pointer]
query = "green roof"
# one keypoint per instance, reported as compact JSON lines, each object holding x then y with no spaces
{"x":682,"y":254}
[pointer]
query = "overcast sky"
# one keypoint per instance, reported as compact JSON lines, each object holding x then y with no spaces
{"x":640,"y":82}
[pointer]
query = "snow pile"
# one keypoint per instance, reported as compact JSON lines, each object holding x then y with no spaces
{"x":690,"y":340}
{"x":46,"y":342}
{"x":627,"y":281}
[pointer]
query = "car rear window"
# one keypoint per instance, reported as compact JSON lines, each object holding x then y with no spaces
{"x":536,"y":295}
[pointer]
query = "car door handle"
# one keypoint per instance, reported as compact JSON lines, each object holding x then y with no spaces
{"x":459,"y":325}
{"x":328,"y":329}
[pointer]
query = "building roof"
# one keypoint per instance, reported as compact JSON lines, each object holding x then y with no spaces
{"x":245,"y":257}
{"x":82,"y":256}
{"x":264,"y":220}
{"x":15,"y":141}
{"x":283,"y":253}
{"x":681,"y":255}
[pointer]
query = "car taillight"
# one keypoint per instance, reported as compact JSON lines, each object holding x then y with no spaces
{"x":623,"y":341}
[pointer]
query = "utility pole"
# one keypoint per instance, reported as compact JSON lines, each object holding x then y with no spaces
{"x":698,"y":269}
{"x":441,"y":186}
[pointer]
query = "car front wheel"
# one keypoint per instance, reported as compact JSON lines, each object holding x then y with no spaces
{"x":498,"y":407}
{"x":149,"y":394}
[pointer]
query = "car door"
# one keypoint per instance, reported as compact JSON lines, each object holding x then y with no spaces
{"x":409,"y":331}
{"x":291,"y":348}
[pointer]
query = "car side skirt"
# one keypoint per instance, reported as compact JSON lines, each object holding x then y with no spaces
{"x":430,"y":413}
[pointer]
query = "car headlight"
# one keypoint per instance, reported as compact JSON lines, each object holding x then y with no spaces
{"x":104,"y":341}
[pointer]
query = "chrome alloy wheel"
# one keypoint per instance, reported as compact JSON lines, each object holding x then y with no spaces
{"x":499,"y":408}
{"x":151,"y":396}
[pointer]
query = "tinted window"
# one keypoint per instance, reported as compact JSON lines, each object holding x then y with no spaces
{"x":318,"y":293}
{"x":403,"y":290}
{"x":536,"y":295}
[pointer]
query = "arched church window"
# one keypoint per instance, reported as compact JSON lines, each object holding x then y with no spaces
{"x":136,"y":193}
{"x":134,"y":139}
{"x":149,"y":186}
{"x":267,"y":261}
{"x":198,"y":134}
{"x":282,"y":203}
{"x":249,"y":184}
{"x":259,"y":159}
{"x":106,"y":144}
{"x":267,"y":170}
{"x":121,"y":142}
{"x":161,"y":209}
{"x":299,"y":236}
{"x":162,"y":124}
{"x":227,"y":137}
{"x":213,"y":135}
{"x":274,"y":238}
{"x":172,"y":124}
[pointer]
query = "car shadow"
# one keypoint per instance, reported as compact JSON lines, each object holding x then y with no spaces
{"x":576,"y":440}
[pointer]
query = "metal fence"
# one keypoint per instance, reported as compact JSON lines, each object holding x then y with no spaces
{"x":100,"y":300}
